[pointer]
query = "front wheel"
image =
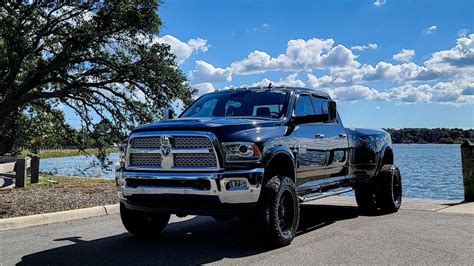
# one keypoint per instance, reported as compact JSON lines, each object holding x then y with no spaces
{"x":278,"y":211}
{"x":143,"y":224}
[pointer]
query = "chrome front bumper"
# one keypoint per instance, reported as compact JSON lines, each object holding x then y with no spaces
{"x":218,"y":184}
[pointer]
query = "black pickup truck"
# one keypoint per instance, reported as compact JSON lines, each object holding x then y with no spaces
{"x":259,"y":152}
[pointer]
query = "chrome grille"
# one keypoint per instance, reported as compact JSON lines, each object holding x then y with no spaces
{"x":178,"y":142}
{"x":146,"y":142}
{"x":190,"y":142}
{"x":145,"y":159}
{"x":195,"y":160}
{"x":172,"y":151}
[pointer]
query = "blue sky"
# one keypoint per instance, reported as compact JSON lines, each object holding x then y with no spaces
{"x":387,"y":63}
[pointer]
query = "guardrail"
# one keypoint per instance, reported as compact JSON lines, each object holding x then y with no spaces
{"x":467,"y":157}
{"x":17,"y":168}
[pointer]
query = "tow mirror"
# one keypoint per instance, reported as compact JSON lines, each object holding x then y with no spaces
{"x":168,"y":114}
{"x":306,"y":119}
{"x":332,"y":111}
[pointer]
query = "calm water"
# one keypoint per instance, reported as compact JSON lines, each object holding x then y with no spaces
{"x":428,"y":170}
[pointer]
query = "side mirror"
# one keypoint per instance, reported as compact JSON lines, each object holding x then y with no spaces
{"x":332,"y":111}
{"x":168,"y":114}
{"x":309,"y":119}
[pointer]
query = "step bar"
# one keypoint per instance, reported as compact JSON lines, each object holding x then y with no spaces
{"x":320,"y":195}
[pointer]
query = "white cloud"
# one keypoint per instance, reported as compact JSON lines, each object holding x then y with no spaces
{"x":364,"y":47}
{"x":463,"y":32}
{"x":447,"y":76}
{"x":379,"y":2}
{"x":431,"y":29}
{"x":404,"y":55}
{"x":204,"y":88}
{"x":290,"y":81}
{"x":299,"y":55}
{"x":183,"y":50}
{"x":355,"y":93}
{"x":205,"y":72}
{"x":455,"y":62}
{"x":444,"y":92}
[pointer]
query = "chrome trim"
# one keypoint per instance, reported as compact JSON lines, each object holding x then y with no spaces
{"x":166,"y":159}
{"x":250,"y":195}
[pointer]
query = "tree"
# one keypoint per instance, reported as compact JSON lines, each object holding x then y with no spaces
{"x":100,"y":59}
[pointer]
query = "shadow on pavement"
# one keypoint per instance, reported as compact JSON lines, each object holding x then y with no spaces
{"x":195,"y":241}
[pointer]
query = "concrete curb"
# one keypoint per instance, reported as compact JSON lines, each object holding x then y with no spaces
{"x":55,"y":217}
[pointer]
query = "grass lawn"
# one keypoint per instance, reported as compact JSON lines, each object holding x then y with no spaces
{"x":57,"y":193}
{"x":63,"y":153}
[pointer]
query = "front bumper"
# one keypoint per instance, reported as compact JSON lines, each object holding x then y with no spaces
{"x":186,"y":190}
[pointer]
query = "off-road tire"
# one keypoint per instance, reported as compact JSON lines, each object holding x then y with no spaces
{"x":278,"y":211}
{"x":143,"y":224}
{"x":365,"y":197}
{"x":388,"y":189}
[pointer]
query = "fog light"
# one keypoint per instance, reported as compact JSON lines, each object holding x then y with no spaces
{"x":237,"y":184}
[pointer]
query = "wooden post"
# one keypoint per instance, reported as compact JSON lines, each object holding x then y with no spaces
{"x":20,"y":169}
{"x":35,"y":163}
{"x":467,"y":157}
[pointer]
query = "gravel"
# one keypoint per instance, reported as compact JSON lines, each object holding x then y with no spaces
{"x":57,"y":193}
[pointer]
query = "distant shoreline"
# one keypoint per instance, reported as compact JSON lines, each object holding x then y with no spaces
{"x":430,"y":136}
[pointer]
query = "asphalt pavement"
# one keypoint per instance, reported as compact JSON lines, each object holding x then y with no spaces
{"x":328,"y":234}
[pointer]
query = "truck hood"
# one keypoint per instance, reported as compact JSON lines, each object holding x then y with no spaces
{"x":223,"y":127}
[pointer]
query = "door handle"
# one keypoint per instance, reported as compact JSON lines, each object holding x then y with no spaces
{"x":319,"y":136}
{"x":342,"y":135}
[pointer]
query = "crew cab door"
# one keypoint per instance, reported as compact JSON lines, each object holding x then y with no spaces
{"x":310,"y":152}
{"x":334,"y":136}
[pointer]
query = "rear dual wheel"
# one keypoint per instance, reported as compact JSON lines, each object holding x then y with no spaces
{"x":383,"y":194}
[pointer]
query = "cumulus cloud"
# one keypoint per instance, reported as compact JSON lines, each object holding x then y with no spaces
{"x":463,"y":32}
{"x":431,"y":29}
{"x":205,"y":72}
{"x":355,"y":93}
{"x":446,"y":76}
{"x":404,"y":55}
{"x":458,"y":60}
{"x":379,"y":2}
{"x":299,"y":55}
{"x":364,"y":47}
{"x":290,"y":81}
{"x":203,"y":88}
{"x":183,"y":50}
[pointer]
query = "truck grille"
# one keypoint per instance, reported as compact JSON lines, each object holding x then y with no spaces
{"x":168,"y":151}
{"x":195,"y":160}
{"x":145,"y":159}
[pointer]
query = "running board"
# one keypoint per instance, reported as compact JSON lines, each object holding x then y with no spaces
{"x":320,"y":195}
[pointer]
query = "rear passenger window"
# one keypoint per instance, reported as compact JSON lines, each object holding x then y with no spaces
{"x":318,"y":105}
{"x":304,"y":106}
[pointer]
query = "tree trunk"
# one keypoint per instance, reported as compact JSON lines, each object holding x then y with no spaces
{"x":8,"y":130}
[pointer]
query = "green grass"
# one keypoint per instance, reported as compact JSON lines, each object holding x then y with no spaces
{"x":68,"y":182}
{"x":64,"y":153}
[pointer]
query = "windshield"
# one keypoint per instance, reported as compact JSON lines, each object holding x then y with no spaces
{"x":249,"y":103}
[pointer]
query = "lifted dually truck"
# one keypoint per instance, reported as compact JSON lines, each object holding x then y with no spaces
{"x":253,"y":151}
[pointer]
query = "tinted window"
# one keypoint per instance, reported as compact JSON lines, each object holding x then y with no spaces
{"x":260,"y":103}
{"x":320,"y":105}
{"x":304,"y":106}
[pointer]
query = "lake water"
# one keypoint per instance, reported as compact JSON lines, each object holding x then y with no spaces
{"x":428,"y":170}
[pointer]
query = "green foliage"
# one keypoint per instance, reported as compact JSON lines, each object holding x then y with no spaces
{"x":97,"y":58}
{"x":426,"y":135}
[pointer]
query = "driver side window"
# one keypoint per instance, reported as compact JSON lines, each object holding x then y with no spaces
{"x":304,"y":106}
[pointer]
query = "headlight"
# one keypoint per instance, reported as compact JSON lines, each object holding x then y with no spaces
{"x":122,"y":153}
{"x":241,"y":152}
